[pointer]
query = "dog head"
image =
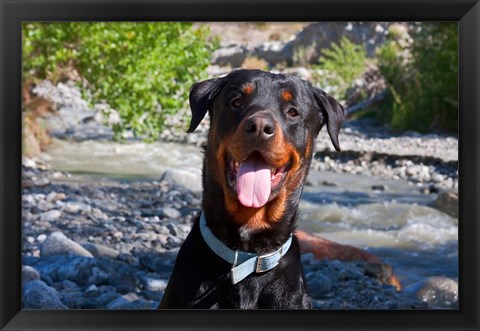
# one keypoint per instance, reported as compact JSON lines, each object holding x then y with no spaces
{"x":261,"y":139}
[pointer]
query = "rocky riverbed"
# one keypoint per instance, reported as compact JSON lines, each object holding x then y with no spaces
{"x":92,"y":242}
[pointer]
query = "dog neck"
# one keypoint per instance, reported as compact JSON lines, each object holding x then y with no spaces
{"x":242,"y":235}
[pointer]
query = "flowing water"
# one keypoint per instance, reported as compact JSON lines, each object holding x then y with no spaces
{"x":389,"y":218}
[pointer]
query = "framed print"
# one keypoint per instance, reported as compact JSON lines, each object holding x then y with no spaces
{"x":110,"y":210}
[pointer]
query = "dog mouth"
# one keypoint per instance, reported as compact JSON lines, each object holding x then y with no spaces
{"x":254,"y":180}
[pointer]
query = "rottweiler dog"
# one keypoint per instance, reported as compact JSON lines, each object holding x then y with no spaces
{"x":241,"y":253}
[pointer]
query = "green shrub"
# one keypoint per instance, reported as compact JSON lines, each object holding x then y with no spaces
{"x":424,"y":84}
{"x":343,"y":62}
{"x":142,"y":70}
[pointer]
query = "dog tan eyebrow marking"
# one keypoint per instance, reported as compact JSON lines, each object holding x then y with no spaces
{"x":247,"y":88}
{"x":287,"y":95}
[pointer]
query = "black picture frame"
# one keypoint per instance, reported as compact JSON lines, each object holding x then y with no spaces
{"x":14,"y":12}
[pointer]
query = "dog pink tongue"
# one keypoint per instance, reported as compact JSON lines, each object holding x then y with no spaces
{"x":254,"y":182}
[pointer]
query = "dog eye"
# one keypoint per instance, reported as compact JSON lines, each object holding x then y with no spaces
{"x":236,"y":103}
{"x":292,"y":112}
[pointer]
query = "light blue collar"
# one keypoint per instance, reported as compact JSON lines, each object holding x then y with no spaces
{"x":243,"y":263}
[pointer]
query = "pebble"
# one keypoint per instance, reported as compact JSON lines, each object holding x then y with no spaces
{"x":54,"y":196}
{"x":168,"y":213}
{"x":50,"y":216}
{"x":29,"y":274}
{"x":58,"y":244}
{"x":130,"y":301}
{"x":153,"y":284}
{"x":98,"y":250}
{"x":75,"y":207}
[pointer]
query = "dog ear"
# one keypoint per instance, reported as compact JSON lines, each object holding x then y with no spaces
{"x":333,"y":111}
{"x":201,"y":97}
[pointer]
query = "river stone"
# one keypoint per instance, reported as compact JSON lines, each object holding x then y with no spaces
{"x":129,"y":301}
{"x":41,"y":237}
{"x":168,"y":213}
{"x":189,"y":179}
{"x":58,"y":244}
{"x":101,"y":301}
{"x":54,"y":196}
{"x":448,"y":203}
{"x":75,"y":207}
{"x":320,"y":285}
{"x":139,"y":304}
{"x":82,"y":270}
{"x":152,"y":295}
{"x":437,"y":291}
{"x":38,"y":295}
{"x":232,"y":55}
{"x":153,"y":284}
{"x":29,"y":274}
{"x":98,"y":250}
{"x":50,"y":215}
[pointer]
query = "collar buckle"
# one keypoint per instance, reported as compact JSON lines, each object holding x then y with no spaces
{"x":269,"y":264}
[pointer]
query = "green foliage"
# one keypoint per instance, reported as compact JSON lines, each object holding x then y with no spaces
{"x":343,"y":63}
{"x":142,"y":70}
{"x":422,"y":78}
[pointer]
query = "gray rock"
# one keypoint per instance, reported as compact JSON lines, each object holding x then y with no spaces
{"x":320,"y":285}
{"x":232,"y":55}
{"x":41,"y":238}
{"x":189,"y":179}
{"x":73,"y":299}
{"x":448,"y":203}
{"x":75,"y":207}
{"x":38,"y":295}
{"x":153,"y":284}
{"x":139,"y":304}
{"x":152,"y":295}
{"x":157,"y":263}
{"x":167,"y":212}
{"x":101,"y":301}
{"x":81,"y":270}
{"x":29,"y":274}
{"x":173,"y":242}
{"x":92,"y":291}
{"x":98,"y":250}
{"x":66,"y":286}
{"x":271,"y":51}
{"x":309,"y":43}
{"x":58,"y":244}
{"x":35,"y":210}
{"x":129,"y":301}
{"x":438,"y":292}
{"x":50,"y":215}
{"x":54,"y":196}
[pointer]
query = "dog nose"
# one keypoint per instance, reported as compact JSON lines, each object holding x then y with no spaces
{"x":259,"y":126}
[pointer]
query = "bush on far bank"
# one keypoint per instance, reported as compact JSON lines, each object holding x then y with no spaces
{"x":422,"y":78}
{"x":143,"y":70}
